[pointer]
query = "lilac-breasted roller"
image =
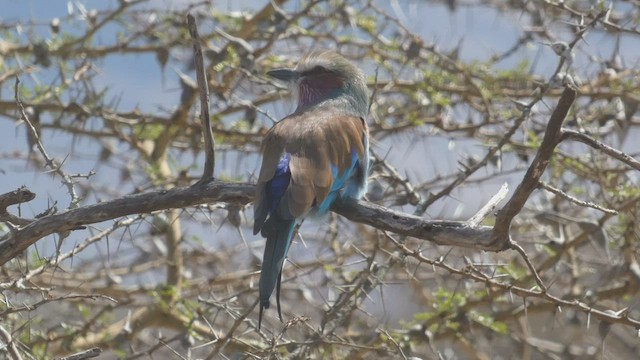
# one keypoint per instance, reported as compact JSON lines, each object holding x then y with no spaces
{"x":311,"y":158}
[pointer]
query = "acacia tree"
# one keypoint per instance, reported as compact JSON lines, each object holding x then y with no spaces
{"x":145,"y":250}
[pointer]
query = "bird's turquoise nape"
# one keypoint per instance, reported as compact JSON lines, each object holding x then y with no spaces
{"x":311,"y":158}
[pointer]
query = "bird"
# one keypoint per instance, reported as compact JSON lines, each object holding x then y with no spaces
{"x":312,"y":158}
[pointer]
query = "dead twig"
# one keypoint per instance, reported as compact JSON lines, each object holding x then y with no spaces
{"x":203,"y":86}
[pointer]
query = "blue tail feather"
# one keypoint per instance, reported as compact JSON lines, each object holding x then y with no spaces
{"x":278,"y":232}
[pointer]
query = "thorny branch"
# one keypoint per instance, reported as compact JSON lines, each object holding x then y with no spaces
{"x":86,"y":354}
{"x":532,"y":177}
{"x":492,"y":284}
{"x":9,"y":343}
{"x":49,"y":162}
{"x":203,"y":85}
{"x":440,"y":232}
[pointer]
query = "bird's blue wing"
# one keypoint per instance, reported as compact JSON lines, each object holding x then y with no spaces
{"x":352,"y":183}
{"x":273,"y":191}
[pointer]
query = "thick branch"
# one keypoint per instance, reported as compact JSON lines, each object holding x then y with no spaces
{"x":128,"y":205}
{"x":453,"y":233}
{"x":531,"y":180}
{"x":440,"y":232}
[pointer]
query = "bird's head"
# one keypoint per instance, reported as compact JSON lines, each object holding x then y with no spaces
{"x":326,"y":75}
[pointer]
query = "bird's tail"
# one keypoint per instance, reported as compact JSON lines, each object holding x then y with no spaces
{"x":278,"y":232}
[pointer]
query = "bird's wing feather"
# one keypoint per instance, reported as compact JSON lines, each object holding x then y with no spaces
{"x":317,"y":142}
{"x":272,"y":149}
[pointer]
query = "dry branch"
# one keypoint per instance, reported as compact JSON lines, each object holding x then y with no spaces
{"x":551,"y":139}
{"x":18,"y":196}
{"x":128,"y":205}
{"x":440,"y":232}
{"x":452,"y":233}
{"x":588,"y":140}
{"x":8,"y":344}
{"x":86,"y":354}
{"x":203,"y":86}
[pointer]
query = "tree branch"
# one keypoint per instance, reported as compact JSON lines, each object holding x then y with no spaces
{"x":18,"y":196}
{"x":614,"y":153}
{"x":86,"y":354}
{"x":453,"y":233}
{"x":531,"y":180}
{"x":128,"y":205}
{"x":50,"y":162}
{"x":9,"y":344}
{"x":203,"y":86}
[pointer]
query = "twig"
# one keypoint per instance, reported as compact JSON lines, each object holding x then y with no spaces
{"x":579,"y":36}
{"x":46,"y":300}
{"x":515,"y":246}
{"x":372,"y":98}
{"x":521,"y":291}
{"x":86,"y":354}
{"x":490,"y":206}
{"x":395,"y":343}
{"x":11,"y":348}
{"x":51,"y":163}
{"x":223,"y":341}
{"x":574,"y":200}
{"x":203,"y":85}
{"x":463,"y":176}
{"x":54,"y":262}
{"x":413,"y":196}
{"x":586,"y":139}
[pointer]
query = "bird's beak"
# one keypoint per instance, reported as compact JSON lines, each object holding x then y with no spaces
{"x":285,"y":75}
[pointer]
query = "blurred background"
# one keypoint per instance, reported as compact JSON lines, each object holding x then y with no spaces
{"x":461,"y":94}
